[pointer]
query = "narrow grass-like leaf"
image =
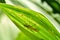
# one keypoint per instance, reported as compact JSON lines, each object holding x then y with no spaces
{"x":32,"y":23}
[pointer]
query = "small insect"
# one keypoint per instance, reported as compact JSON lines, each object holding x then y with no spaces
{"x":30,"y":27}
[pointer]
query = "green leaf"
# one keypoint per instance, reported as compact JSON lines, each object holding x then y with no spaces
{"x":31,"y":23}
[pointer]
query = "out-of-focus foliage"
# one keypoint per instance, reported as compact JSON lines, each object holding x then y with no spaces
{"x":2,"y":1}
{"x":54,"y":4}
{"x":8,"y":31}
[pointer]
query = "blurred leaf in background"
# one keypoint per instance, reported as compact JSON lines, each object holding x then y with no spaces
{"x":2,"y":1}
{"x":54,"y":4}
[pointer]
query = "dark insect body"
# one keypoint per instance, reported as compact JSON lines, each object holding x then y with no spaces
{"x":30,"y":27}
